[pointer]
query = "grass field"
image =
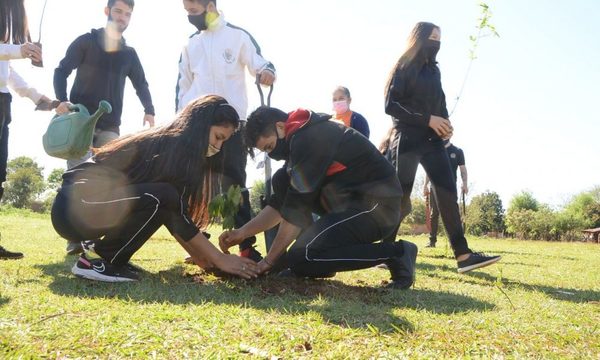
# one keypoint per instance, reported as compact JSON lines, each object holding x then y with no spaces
{"x":541,"y":301}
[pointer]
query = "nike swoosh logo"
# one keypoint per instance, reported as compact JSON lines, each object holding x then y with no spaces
{"x":99,"y":268}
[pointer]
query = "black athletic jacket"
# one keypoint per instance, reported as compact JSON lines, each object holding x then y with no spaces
{"x":101,"y":76}
{"x":330,"y":168}
{"x":411,"y":103}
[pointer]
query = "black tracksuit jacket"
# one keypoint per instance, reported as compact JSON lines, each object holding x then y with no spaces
{"x":411,"y":103}
{"x":101,"y":76}
{"x":330,"y":168}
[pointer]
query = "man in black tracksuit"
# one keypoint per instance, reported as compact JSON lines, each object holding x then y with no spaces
{"x":103,"y":61}
{"x":335,"y":172}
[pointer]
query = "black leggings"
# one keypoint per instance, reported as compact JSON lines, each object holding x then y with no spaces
{"x":120,"y":221}
{"x":346,"y":241}
{"x":5,"y":118}
{"x":432,"y":155}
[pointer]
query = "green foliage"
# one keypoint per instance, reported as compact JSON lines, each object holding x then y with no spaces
{"x":55,"y":178}
{"x":258,"y":190}
{"x":418,"y":212}
{"x":485,"y":214}
{"x":223,"y":207}
{"x":524,"y":201}
{"x":25,"y":182}
{"x":586,"y":207}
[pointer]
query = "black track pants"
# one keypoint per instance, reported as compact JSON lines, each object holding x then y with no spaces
{"x":120,"y":221}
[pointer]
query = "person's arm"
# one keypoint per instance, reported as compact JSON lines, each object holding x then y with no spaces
{"x":252,"y":57}
{"x":10,"y":52}
{"x":138,"y":80}
{"x":465,"y":179}
{"x":184,"y":80}
{"x":18,"y":84}
{"x":395,"y":105}
{"x":266,"y":219}
{"x":73,"y":58}
{"x":463,"y":172}
{"x":20,"y":51}
{"x":286,"y":234}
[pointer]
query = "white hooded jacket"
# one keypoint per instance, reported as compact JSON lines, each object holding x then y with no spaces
{"x":213,"y":62}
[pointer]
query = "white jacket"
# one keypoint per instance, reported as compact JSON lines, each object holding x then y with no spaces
{"x":213,"y":62}
{"x":10,"y":78}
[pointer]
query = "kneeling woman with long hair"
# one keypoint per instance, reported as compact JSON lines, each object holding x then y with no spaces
{"x":132,"y":186}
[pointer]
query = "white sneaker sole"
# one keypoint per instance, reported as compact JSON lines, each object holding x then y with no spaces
{"x":94,"y":275}
{"x":479,"y":265}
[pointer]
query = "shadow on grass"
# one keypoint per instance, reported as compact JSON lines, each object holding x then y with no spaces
{"x":3,"y":300}
{"x":345,"y":305}
{"x":558,"y":293}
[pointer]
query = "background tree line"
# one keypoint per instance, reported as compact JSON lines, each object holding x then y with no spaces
{"x":525,"y":218}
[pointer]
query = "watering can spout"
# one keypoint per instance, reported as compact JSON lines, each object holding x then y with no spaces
{"x":103,"y":107}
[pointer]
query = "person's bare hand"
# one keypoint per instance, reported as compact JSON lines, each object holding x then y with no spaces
{"x":240,"y":266}
{"x":263,"y":267}
{"x":267,"y":78}
{"x":63,"y":108}
{"x":149,"y":119}
{"x":31,"y":51}
{"x":229,"y":239}
{"x":441,"y":126}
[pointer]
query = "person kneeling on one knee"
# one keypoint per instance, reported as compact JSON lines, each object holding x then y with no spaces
{"x":335,"y":172}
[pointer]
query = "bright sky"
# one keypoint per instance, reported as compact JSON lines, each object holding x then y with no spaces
{"x":523,"y":120}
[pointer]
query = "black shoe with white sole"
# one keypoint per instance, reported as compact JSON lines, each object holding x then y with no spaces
{"x":403,"y":267}
{"x":476,"y":261}
{"x":102,"y":270}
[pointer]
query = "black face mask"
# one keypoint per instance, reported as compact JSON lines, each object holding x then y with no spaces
{"x":431,"y":49}
{"x":280,"y":151}
{"x":199,"y":21}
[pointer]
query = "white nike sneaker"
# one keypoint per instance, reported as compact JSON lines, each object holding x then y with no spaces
{"x":101,"y":270}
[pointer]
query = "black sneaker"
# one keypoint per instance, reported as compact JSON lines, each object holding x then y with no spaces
{"x":102,"y":270}
{"x":74,"y":248}
{"x":403,"y":267}
{"x":9,"y":255}
{"x":251,"y":253}
{"x":477,"y":260}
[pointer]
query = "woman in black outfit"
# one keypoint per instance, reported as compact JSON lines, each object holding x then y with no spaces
{"x":415,"y":100}
{"x":115,"y":201}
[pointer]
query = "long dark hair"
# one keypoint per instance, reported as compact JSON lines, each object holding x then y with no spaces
{"x":13,"y":22}
{"x":414,"y":57}
{"x":175,"y":153}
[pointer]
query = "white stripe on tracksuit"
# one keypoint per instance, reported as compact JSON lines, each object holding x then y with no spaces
{"x":331,"y":226}
{"x":126,"y":199}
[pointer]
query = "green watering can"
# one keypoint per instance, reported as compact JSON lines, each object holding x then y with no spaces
{"x":69,"y":136}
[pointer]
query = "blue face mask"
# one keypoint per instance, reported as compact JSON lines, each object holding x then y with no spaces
{"x":199,"y":21}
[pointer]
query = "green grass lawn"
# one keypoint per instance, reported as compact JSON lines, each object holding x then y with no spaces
{"x":542,"y":300}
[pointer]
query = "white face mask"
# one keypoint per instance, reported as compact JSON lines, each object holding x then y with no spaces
{"x":340,"y":107}
{"x":212,"y":150}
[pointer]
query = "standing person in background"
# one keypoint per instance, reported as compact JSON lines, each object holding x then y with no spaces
{"x":214,"y":62}
{"x":342,"y":112}
{"x":103,"y":61}
{"x":415,"y":100}
{"x":457,"y":161}
{"x":15,"y":43}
